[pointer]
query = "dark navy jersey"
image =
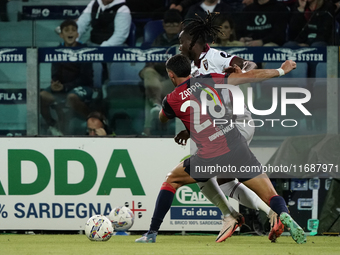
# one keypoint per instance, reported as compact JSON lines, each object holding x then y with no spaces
{"x":198,"y":104}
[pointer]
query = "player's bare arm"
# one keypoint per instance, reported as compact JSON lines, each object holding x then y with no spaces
{"x":257,"y":75}
{"x":245,"y":65}
{"x":162,"y":117}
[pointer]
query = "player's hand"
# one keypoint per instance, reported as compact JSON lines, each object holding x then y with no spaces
{"x":288,"y":66}
{"x":237,"y":69}
{"x":248,"y":65}
{"x":182,"y":137}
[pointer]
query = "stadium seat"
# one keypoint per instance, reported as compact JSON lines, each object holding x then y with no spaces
{"x":337,"y":33}
{"x":299,"y":72}
{"x":124,"y":73}
{"x":125,"y":108}
{"x":318,"y":104}
{"x":45,"y":75}
{"x":124,"y":98}
{"x":131,"y":40}
{"x":296,"y":78}
{"x":151,"y":30}
{"x":321,"y":70}
{"x":13,"y":117}
{"x":14,"y":75}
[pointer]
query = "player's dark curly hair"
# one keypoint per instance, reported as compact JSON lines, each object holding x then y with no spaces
{"x":179,"y":64}
{"x":202,"y":29}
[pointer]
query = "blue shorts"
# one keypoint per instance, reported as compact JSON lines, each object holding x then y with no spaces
{"x":84,"y":93}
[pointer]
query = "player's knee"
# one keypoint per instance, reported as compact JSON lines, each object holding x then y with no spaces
{"x":174,"y":180}
{"x":173,"y":183}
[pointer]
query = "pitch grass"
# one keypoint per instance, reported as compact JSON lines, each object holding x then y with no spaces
{"x":166,"y":244}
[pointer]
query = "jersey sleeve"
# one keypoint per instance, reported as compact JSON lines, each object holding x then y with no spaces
{"x":226,"y":59}
{"x":167,"y":109}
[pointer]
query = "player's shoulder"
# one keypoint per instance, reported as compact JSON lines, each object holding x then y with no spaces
{"x":175,"y":95}
{"x":217,"y":55}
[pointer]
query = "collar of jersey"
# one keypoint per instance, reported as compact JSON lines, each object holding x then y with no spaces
{"x":204,"y":52}
{"x":184,"y":82}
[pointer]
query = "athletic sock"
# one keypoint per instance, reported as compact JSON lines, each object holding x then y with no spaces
{"x":244,"y":195}
{"x":163,"y":204}
{"x":211,"y":191}
{"x":278,"y":204}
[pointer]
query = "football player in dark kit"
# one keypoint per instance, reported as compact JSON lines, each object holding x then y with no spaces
{"x":221,"y":145}
{"x":205,"y":60}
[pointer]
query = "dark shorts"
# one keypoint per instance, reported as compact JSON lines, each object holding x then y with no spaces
{"x":239,"y":163}
{"x":84,"y":93}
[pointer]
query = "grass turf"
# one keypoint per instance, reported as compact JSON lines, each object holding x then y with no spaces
{"x":166,"y":244}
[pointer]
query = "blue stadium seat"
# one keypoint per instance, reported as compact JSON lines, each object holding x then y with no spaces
{"x":13,"y":74}
{"x":318,"y":104}
{"x":296,"y":78}
{"x":151,"y":30}
{"x":321,"y":70}
{"x":299,"y":72}
{"x":125,"y":73}
{"x":124,"y":99}
{"x":131,"y":40}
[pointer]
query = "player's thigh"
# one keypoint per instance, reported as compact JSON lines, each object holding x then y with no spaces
{"x":179,"y":177}
{"x":262,"y":186}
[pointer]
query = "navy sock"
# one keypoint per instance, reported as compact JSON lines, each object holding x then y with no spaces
{"x":278,"y":204}
{"x":163,"y":204}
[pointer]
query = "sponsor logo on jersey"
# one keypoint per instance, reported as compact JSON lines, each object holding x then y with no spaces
{"x":224,"y":55}
{"x":205,"y":64}
{"x":196,"y":73}
{"x":79,"y":55}
{"x":8,"y":55}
